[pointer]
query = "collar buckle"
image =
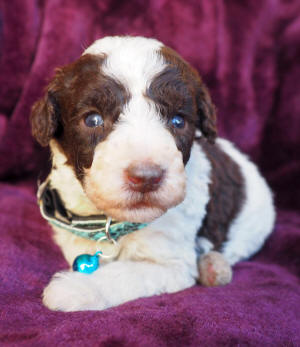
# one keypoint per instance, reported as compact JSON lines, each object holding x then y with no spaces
{"x":107,"y":227}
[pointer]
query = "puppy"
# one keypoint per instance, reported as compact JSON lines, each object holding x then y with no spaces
{"x":132,"y":132}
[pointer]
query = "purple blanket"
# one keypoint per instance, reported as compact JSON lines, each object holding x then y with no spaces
{"x":248,"y":53}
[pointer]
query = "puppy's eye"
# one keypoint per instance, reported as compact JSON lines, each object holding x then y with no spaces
{"x":178,"y":121}
{"x":93,"y":120}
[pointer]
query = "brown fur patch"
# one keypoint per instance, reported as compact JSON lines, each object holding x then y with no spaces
{"x":206,"y":111}
{"x":172,"y":96}
{"x":78,"y":89}
{"x":227,"y":194}
{"x":178,"y":89}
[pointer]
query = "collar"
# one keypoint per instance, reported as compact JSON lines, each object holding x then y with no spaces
{"x":93,"y":227}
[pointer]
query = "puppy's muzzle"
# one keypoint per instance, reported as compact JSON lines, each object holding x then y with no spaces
{"x":144,"y":177}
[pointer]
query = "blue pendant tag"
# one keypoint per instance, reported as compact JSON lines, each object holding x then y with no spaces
{"x":86,"y":263}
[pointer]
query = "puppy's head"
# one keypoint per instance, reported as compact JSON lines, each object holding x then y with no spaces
{"x":124,"y":116}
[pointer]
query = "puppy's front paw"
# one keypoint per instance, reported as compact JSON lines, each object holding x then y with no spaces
{"x":214,"y":270}
{"x":71,"y":291}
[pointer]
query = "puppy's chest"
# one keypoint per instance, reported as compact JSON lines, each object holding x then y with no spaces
{"x":72,"y":246}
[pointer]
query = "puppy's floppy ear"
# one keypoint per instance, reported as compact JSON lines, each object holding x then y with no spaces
{"x":44,"y":119}
{"x":206,"y":113}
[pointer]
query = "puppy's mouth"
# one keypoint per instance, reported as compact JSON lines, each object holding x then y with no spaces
{"x":142,"y":209}
{"x":137,"y":207}
{"x":141,"y":204}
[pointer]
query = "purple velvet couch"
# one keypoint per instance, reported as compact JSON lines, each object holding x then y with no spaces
{"x":248,"y":52}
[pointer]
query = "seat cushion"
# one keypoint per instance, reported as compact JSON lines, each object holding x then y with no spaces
{"x":259,"y":307}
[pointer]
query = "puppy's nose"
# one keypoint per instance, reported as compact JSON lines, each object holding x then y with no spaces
{"x":144,"y":177}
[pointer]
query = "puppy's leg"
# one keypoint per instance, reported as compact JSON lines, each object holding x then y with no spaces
{"x":213,"y":268}
{"x":150,"y":265}
{"x":114,"y":284}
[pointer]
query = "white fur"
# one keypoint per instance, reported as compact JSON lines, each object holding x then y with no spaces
{"x":203,"y":245}
{"x":131,"y":60}
{"x":73,"y":196}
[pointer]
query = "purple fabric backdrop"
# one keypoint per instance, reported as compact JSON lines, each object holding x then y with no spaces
{"x":248,"y":53}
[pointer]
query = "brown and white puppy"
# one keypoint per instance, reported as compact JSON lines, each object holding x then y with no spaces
{"x":132,"y":132}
